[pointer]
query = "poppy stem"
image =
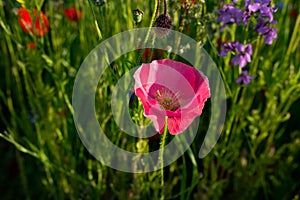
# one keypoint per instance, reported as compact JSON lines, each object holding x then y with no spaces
{"x":161,"y":156}
{"x":165,"y":7}
{"x":157,"y":8}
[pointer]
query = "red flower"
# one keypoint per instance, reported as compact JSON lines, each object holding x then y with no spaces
{"x":41,"y":26}
{"x":293,"y":13}
{"x":173,"y":89}
{"x":31,"y":45}
{"x":73,"y":14}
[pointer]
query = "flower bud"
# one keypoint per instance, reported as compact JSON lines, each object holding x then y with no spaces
{"x":137,"y":15}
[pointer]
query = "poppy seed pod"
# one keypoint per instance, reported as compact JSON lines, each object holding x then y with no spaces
{"x":164,"y":23}
{"x":99,"y":2}
{"x":137,"y":15}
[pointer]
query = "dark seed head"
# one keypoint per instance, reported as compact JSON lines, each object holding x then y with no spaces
{"x":164,"y":23}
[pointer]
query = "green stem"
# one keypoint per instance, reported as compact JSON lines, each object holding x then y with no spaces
{"x":165,"y":7}
{"x":157,"y":8}
{"x":102,"y":18}
{"x":23,"y":174}
{"x":255,"y":55}
{"x":294,"y":37}
{"x":150,"y":26}
{"x":161,"y":158}
{"x":180,"y":29}
{"x":96,"y":22}
{"x":152,"y":21}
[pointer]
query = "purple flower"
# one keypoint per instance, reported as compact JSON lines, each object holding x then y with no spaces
{"x":262,"y":27}
{"x":261,"y":6}
{"x":265,"y":2}
{"x":230,"y":15}
{"x":269,"y":33}
{"x":224,"y":52}
{"x":243,"y":55}
{"x":246,"y":17}
{"x":254,"y":7}
{"x":247,"y":3}
{"x":239,"y":60}
{"x":257,"y":2}
{"x":266,"y":11}
{"x":231,"y":46}
{"x":244,"y":78}
{"x":270,"y":36}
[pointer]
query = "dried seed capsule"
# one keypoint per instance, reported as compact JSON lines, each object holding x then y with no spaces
{"x":164,"y":23}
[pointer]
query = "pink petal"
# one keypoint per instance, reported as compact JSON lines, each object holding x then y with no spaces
{"x":152,"y":111}
{"x":158,"y":120}
{"x":177,"y":125}
{"x":176,"y":77}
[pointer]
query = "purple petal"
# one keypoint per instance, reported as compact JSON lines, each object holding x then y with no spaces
{"x":247,"y":3}
{"x":245,"y":73}
{"x":267,"y":2}
{"x":270,"y":36}
{"x":266,"y":12}
{"x":223,"y":52}
{"x":249,"y":49}
{"x":238,"y":60}
{"x":274,"y":9}
{"x":243,"y":62}
{"x":240,"y":48}
{"x":254,"y":7}
{"x":239,"y":79}
{"x":244,"y":78}
{"x":246,"y":17}
{"x":247,"y":57}
{"x":263,"y":29}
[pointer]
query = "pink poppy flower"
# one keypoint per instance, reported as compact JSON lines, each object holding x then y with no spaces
{"x":173,"y":89}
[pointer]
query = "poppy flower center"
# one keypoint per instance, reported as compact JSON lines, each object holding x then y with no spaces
{"x":167,"y":99}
